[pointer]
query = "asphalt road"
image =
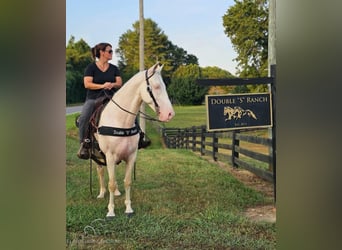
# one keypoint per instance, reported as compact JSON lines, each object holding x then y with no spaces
{"x":73,"y":109}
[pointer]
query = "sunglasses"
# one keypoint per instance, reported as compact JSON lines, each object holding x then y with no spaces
{"x":109,"y":51}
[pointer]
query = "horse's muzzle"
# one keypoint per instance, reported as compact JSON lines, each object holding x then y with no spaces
{"x":166,"y":116}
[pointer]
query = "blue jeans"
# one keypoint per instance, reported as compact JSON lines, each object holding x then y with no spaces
{"x":87,"y":110}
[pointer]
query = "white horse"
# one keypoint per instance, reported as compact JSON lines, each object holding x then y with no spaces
{"x":118,"y":117}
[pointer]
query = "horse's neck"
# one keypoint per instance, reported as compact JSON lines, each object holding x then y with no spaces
{"x":129,"y":98}
{"x":126,"y":99}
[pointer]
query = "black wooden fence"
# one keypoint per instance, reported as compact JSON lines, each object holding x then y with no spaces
{"x":239,"y":148}
{"x":198,"y":139}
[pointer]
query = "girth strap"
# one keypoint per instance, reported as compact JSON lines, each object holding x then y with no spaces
{"x":104,"y":130}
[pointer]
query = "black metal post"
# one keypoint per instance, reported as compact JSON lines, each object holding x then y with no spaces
{"x":274,"y":145}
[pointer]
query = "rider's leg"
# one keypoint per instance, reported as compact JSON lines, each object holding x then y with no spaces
{"x":83,"y":120}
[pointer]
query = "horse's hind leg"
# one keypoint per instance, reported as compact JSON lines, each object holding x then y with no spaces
{"x":100,"y":174}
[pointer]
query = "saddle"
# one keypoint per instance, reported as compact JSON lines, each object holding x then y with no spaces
{"x":94,"y":149}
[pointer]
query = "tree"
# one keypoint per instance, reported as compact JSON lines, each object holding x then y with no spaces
{"x":216,"y":72}
{"x":78,"y":56}
{"x":157,"y":48}
{"x":184,"y":88}
{"x":178,"y":56}
{"x":246,"y":24}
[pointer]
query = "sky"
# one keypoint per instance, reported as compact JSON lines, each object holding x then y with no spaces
{"x":193,"y":25}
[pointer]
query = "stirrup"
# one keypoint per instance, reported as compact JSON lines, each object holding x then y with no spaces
{"x":143,"y":143}
{"x":77,"y":121}
{"x":83,"y":152}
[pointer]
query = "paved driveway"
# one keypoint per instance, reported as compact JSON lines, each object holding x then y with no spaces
{"x":73,"y":109}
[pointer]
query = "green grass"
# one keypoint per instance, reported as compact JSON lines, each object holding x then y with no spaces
{"x":186,"y":116}
{"x":180,"y":201}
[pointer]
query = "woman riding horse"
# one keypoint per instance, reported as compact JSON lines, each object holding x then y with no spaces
{"x":101,"y":78}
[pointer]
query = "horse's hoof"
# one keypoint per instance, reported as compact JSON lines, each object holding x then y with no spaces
{"x":110,"y":217}
{"x":130,"y":215}
{"x":102,"y":194}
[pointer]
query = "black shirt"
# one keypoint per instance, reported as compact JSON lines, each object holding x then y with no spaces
{"x":100,"y":77}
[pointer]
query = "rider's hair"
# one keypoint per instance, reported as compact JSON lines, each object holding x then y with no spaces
{"x":95,"y":51}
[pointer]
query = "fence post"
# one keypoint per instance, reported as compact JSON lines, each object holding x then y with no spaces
{"x":215,"y":147}
{"x":179,"y":138}
{"x":235,"y":154}
{"x":165,"y":138}
{"x":187,"y":138}
{"x":193,"y":138}
{"x":183,"y":138}
{"x":202,"y":140}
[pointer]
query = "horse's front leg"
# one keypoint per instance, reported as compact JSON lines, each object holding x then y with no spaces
{"x":128,"y":182}
{"x":112,"y":184}
{"x":100,"y":174}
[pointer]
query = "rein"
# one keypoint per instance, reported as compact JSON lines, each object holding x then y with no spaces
{"x":149,"y":90}
{"x":144,"y":115}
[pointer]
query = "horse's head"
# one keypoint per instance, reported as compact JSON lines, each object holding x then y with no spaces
{"x":155,"y":95}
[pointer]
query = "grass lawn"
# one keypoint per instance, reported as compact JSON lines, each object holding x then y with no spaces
{"x":180,"y":201}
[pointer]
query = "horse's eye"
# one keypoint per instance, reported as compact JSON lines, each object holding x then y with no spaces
{"x":156,"y":87}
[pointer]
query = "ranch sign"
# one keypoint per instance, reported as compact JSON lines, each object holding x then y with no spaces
{"x":238,"y":111}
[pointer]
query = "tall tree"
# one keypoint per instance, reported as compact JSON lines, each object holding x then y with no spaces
{"x":78,"y":56}
{"x":246,"y":24}
{"x":157,"y":48}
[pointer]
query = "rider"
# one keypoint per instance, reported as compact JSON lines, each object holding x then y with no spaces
{"x":101,"y":78}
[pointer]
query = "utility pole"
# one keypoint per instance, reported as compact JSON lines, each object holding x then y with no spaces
{"x":142,"y":122}
{"x":271,"y":35}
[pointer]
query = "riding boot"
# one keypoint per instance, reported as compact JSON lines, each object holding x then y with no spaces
{"x":83,"y":152}
{"x":143,"y":142}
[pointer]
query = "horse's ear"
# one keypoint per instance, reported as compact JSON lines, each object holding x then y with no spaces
{"x":155,"y":66}
{"x":159,"y":66}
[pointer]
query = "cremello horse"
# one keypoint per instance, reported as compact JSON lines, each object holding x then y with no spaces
{"x":119,"y":117}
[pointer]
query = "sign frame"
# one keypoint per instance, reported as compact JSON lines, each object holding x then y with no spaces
{"x":239,"y":111}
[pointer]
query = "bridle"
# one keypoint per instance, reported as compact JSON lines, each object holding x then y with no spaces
{"x":149,"y":90}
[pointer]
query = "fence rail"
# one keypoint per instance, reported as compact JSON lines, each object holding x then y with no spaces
{"x":239,"y":148}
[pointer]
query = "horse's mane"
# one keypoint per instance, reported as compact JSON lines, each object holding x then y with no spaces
{"x":134,"y":78}
{"x":136,"y":75}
